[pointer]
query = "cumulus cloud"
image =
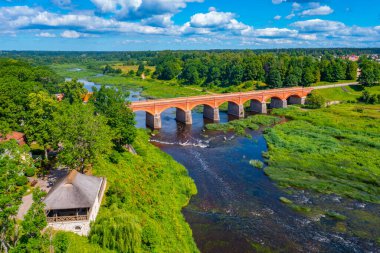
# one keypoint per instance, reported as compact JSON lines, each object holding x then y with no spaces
{"x":275,"y":32}
{"x":136,"y":9}
{"x":318,"y":25}
{"x":277,"y":17}
{"x":211,"y":19}
{"x":278,"y":1}
{"x":31,"y":18}
{"x":318,"y":11}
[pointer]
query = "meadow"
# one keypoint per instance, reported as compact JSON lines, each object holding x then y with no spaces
{"x":329,"y":150}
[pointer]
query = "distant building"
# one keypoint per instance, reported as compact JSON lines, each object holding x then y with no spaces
{"x":86,"y":97}
{"x":59,"y":96}
{"x":19,"y":137}
{"x":351,"y":57}
{"x":73,"y":202}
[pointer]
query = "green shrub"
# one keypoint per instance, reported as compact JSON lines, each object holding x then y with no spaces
{"x":21,"y":180}
{"x":30,"y":172}
{"x":370,"y":98}
{"x":315,"y":101}
{"x":257,"y":164}
{"x":286,"y":200}
{"x":336,"y":216}
{"x":61,"y":242}
{"x":116,"y":230}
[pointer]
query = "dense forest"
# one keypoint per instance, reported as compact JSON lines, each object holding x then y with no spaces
{"x":276,"y":70}
{"x":133,"y":57}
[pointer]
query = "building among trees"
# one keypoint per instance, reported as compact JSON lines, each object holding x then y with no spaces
{"x":73,"y":202}
{"x":19,"y":137}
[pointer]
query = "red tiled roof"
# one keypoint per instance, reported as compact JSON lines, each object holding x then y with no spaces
{"x":19,"y":137}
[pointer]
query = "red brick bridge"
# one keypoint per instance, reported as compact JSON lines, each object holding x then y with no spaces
{"x":276,"y":98}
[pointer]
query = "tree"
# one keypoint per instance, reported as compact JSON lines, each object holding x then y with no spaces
{"x":190,"y":75}
{"x":352,"y":70}
{"x":140,"y":70}
{"x":308,"y":77}
{"x":274,"y":78}
{"x":73,"y":91}
{"x":112,"y":104}
{"x":168,"y":69}
{"x":253,"y":69}
{"x":14,"y":160}
{"x":370,"y":73}
{"x":31,"y":239}
{"x":81,"y":134}
{"x":39,"y":119}
{"x":117,"y":230}
{"x":315,"y":101}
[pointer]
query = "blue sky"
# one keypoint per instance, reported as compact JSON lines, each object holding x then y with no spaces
{"x":104,"y":25}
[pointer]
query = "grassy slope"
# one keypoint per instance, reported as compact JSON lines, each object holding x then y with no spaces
{"x":348,"y":93}
{"x":331,"y":150}
{"x":152,"y":188}
{"x":156,"y":188}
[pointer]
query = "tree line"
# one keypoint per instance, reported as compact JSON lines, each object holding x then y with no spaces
{"x":233,"y":68}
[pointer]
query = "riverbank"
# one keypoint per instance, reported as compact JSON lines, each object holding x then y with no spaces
{"x":148,"y":191}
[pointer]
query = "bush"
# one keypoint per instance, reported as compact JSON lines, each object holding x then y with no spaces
{"x":370,"y":98}
{"x":116,"y":230}
{"x":257,"y":164}
{"x":30,"y":172}
{"x":61,"y":242}
{"x":21,"y":180}
{"x":315,"y":101}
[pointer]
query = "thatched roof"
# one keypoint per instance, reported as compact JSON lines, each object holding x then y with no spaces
{"x":73,"y":191}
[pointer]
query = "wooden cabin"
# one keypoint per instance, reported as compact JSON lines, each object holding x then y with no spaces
{"x":73,"y":202}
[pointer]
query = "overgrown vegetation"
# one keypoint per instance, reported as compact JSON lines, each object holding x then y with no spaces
{"x":143,"y":205}
{"x":239,"y":126}
{"x":330,"y":150}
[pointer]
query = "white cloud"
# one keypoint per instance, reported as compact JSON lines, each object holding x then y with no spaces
{"x":278,"y":1}
{"x":211,"y":9}
{"x":136,"y":9}
{"x":307,"y":36}
{"x":277,"y":17}
{"x":70,"y":34}
{"x":290,"y":16}
{"x":296,"y":6}
{"x":275,"y":32}
{"x":46,"y":35}
{"x":211,"y":19}
{"x":318,"y":25}
{"x":318,"y":11}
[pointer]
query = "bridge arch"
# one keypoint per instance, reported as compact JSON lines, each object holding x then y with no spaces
{"x":235,"y":108}
{"x":296,"y":98}
{"x":276,"y":101}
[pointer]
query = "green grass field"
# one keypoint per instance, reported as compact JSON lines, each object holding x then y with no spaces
{"x":330,"y":150}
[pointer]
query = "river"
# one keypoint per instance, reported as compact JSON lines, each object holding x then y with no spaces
{"x":237,"y":208}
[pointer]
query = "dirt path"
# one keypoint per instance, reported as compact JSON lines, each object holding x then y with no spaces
{"x":27,"y":202}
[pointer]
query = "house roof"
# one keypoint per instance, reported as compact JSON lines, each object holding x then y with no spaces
{"x":76,"y":190}
{"x":19,"y":137}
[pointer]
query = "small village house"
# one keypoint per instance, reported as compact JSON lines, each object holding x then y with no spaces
{"x":73,"y":202}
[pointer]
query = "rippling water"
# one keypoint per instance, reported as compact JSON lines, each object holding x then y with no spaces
{"x":237,"y":208}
